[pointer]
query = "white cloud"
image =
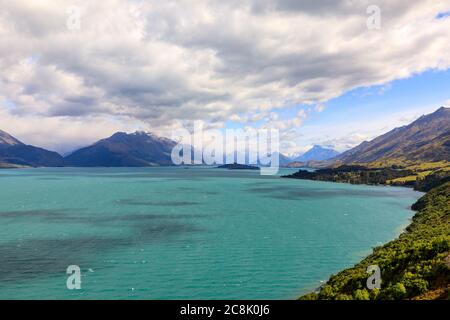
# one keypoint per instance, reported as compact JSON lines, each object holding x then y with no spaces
{"x":160,"y":62}
{"x":319,"y":107}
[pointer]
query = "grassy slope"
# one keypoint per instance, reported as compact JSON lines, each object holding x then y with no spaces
{"x":421,"y":170}
{"x":414,"y":266}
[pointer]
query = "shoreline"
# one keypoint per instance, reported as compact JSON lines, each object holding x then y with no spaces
{"x":407,"y":230}
{"x":399,"y":230}
{"x":338,"y":287}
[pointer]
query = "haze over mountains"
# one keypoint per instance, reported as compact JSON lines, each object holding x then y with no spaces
{"x":426,"y":139}
{"x":283,"y":160}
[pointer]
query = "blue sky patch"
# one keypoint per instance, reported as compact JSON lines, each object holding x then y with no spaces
{"x":443,"y":15}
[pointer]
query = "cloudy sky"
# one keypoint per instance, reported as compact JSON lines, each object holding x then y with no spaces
{"x":321,"y":72}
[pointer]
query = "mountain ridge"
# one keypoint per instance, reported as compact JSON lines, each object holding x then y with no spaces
{"x":138,"y":149}
{"x":7,"y":140}
{"x":425,"y":139}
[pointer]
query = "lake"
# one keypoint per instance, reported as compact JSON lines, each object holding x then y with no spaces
{"x":176,"y":233}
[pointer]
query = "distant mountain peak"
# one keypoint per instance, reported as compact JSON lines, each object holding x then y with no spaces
{"x":142,"y":133}
{"x":317,"y":153}
{"x":319,"y":147}
{"x":137,"y":134}
{"x":119,"y":133}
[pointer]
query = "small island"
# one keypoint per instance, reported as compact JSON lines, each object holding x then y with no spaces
{"x":237,"y":166}
{"x":296,"y":164}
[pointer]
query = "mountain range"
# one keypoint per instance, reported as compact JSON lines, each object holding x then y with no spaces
{"x":426,"y":139}
{"x":139,"y":149}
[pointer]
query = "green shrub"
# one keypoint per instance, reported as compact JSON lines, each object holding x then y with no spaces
{"x":395,"y":292}
{"x":410,"y":265}
{"x":361,"y":294}
{"x":309,"y":296}
{"x":342,"y":296}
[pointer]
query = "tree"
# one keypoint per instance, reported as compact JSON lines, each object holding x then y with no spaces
{"x":361,"y":294}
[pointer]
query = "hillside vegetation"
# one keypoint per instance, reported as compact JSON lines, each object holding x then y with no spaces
{"x":417,"y":264}
{"x":414,"y":266}
{"x":422,"y":176}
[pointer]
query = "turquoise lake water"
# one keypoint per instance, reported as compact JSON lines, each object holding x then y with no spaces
{"x":174,"y":233}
